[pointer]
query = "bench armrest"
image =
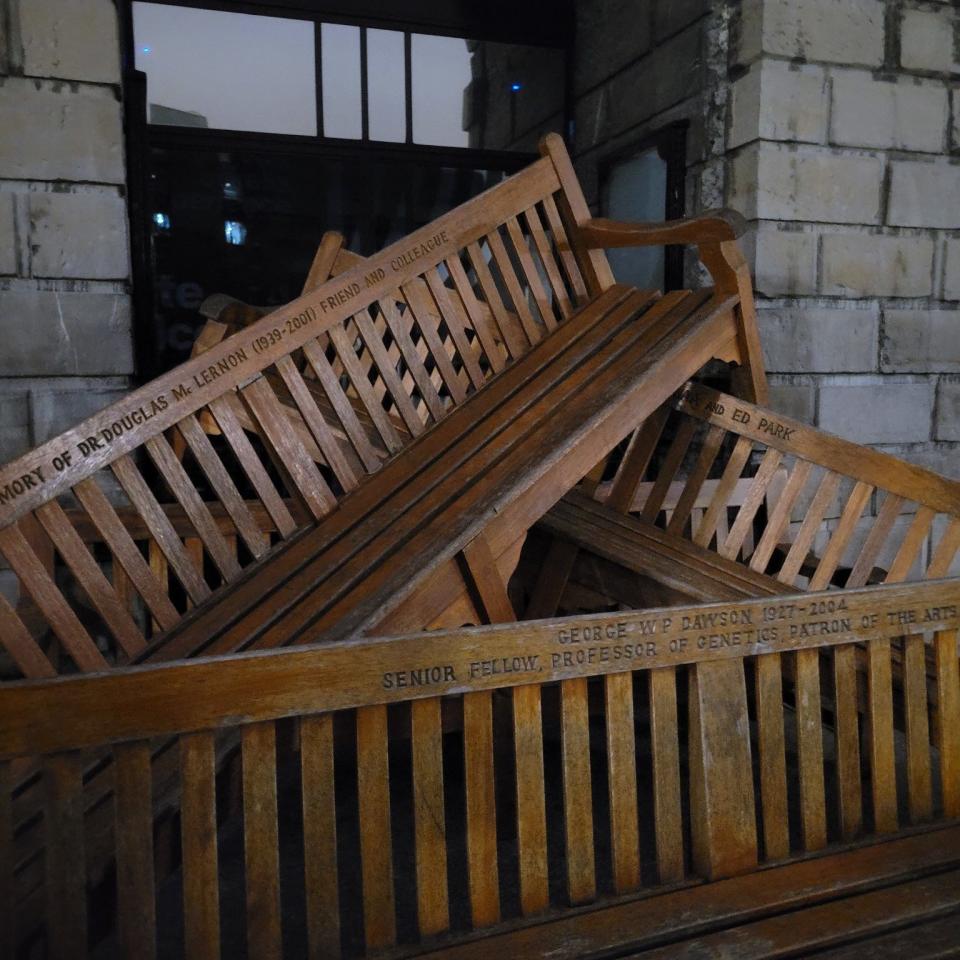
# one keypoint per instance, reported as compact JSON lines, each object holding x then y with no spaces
{"x":714,"y":226}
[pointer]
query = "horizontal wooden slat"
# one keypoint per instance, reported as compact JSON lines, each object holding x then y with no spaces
{"x":149,"y":701}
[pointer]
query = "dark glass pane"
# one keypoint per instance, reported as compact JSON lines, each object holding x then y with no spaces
{"x":231,"y":71}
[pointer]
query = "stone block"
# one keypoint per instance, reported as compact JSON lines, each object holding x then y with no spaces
{"x":58,"y":406}
{"x":48,"y":333}
{"x":779,"y":101}
{"x":928,"y":40}
{"x":888,"y":410}
{"x":906,"y":114}
{"x":671,"y":16}
{"x":819,"y":340}
{"x":856,"y":542}
{"x":72,"y":41}
{"x":14,"y":425}
{"x":921,"y":341}
{"x":783,"y":262}
{"x":54,"y":131}
{"x":923,"y":194}
{"x":942,"y":458}
{"x":78,"y":235}
{"x":838,"y":32}
{"x":602,"y":51}
{"x":8,"y":234}
{"x":946,"y":425}
{"x":794,"y":396}
{"x":773,"y":182}
{"x":951,"y":269}
{"x":871,"y":265}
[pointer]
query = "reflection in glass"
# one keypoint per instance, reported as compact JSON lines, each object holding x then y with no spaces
{"x":441,"y":74}
{"x":232,"y":71}
{"x":386,"y":93}
{"x":636,"y":189}
{"x":340,"y":76}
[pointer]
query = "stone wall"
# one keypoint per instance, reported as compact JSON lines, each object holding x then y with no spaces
{"x":65,"y":323}
{"x":843,"y":153}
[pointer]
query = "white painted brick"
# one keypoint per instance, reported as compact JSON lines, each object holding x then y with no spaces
{"x":892,"y":411}
{"x":8,"y":234}
{"x":783,"y":262}
{"x":72,"y":40}
{"x":53,"y":132}
{"x":955,"y":119}
{"x":921,"y":341}
{"x":951,"y":270}
{"x":64,"y":334}
{"x":855,"y":544}
{"x":839,"y":31}
{"x":771,"y":182}
{"x":870,"y":265}
{"x":907,"y":114}
{"x":819,"y":340}
{"x":947,"y":424}
{"x":78,"y":235}
{"x":779,"y":101}
{"x":793,"y":397}
{"x":928,"y":40}
{"x":924,"y":194}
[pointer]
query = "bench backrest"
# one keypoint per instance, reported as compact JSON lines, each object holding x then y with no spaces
{"x":391,"y":344}
{"x":479,"y":795}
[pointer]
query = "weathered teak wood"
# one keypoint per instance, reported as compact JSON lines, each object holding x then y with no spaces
{"x":195,"y":701}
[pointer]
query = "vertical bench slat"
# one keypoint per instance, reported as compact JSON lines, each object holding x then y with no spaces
{"x":376,"y":854}
{"x":945,"y":550}
{"x":751,"y":504}
{"x":318,"y":426}
{"x":813,"y":818}
{"x":198,"y":835}
{"x":291,"y":455}
{"x":665,"y":744}
{"x":542,"y":244}
{"x":133,"y":816}
{"x":427,"y":313}
{"x":826,"y":491}
{"x":668,"y":469}
{"x":482,"y":861}
{"x":948,"y":719}
{"x":261,"y":841}
{"x":90,"y":577}
{"x":449,"y":305}
{"x":562,"y":243}
{"x":531,"y":809}
{"x":482,"y":323}
{"x":160,"y":527}
{"x":186,"y":495}
{"x":773,"y":756}
{"x":509,"y":329}
{"x":320,"y":836}
{"x":125,"y":552}
{"x":779,"y":516}
{"x":847,"y":523}
{"x":715,"y":518}
{"x":919,"y":783}
{"x":341,"y":405}
{"x":863,"y":566}
{"x":635,"y":461}
{"x":883,"y":772}
{"x":66,"y":874}
{"x":698,"y":474}
{"x":48,"y":598}
{"x":911,"y":545}
{"x":430,"y":830}
{"x":847,"y":732}
{"x":622,"y":781}
{"x":223,"y":485}
{"x":577,"y":790}
{"x":21,"y":647}
{"x":352,"y":368}
{"x":535,"y":285}
{"x":509,"y":277}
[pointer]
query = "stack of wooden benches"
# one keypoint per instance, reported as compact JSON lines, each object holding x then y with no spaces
{"x":718,"y":642}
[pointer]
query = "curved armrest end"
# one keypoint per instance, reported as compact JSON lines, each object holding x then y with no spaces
{"x":713,"y":226}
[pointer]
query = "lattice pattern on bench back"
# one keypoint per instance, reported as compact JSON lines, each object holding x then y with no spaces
{"x":328,"y":385}
{"x":817,"y":510}
{"x":480,"y":794}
